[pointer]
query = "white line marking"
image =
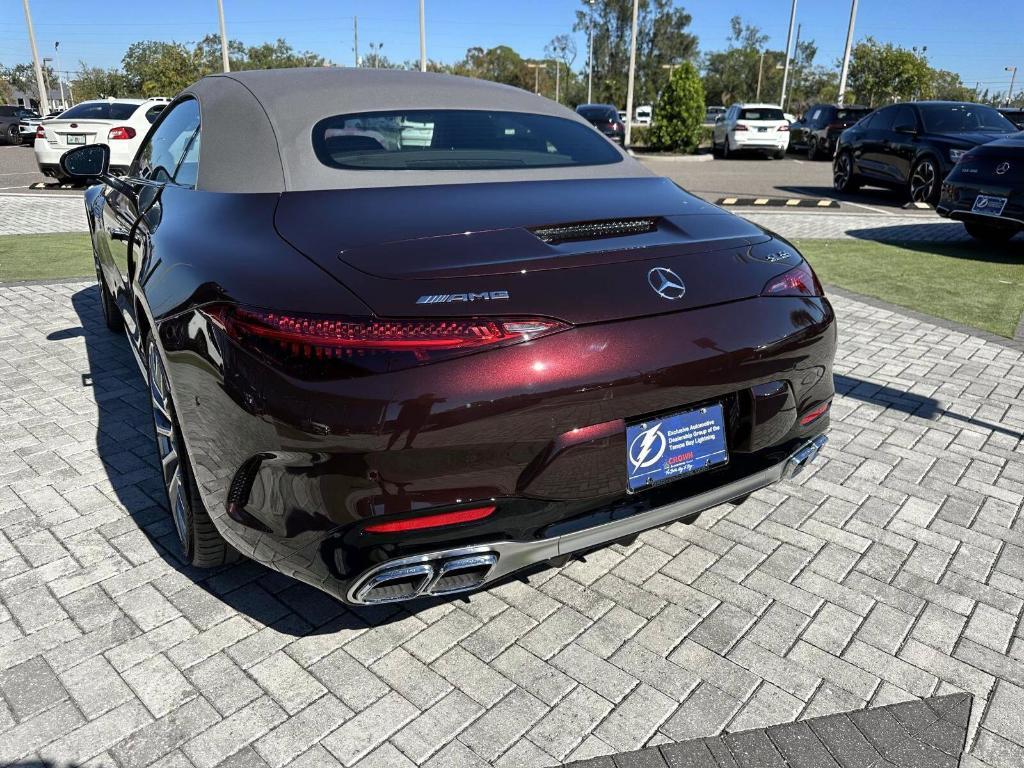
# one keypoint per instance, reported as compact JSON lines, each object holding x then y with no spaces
{"x":866,"y":207}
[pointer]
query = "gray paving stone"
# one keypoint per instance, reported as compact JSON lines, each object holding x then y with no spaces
{"x":31,"y":687}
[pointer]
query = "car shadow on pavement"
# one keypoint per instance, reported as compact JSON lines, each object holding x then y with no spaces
{"x":944,"y":238}
{"x":878,"y":197}
{"x":124,"y":442}
{"x":927,"y":408}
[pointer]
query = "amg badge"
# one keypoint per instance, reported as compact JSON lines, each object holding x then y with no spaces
{"x":448,"y":298}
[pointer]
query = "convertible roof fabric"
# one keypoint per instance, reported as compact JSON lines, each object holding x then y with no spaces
{"x":257,"y":127}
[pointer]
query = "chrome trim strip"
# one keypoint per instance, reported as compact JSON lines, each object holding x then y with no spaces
{"x":515,"y":555}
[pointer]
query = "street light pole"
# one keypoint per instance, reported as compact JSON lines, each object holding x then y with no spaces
{"x":536,"y":75}
{"x":558,"y":73}
{"x":224,"y":60}
{"x":760,"y":75}
{"x":590,"y":56}
{"x":632,"y":75}
{"x":1013,"y":77}
{"x":44,"y":100}
{"x":789,"y":40}
{"x":846,"y":55}
{"x":60,"y":80}
{"x":423,"y":40}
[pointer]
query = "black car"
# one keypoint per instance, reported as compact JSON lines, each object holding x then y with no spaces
{"x":819,"y":129}
{"x":1014,"y":114}
{"x":986,"y":190}
{"x":605,"y":118}
{"x":913,"y":146}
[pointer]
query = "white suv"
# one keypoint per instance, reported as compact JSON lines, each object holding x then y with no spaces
{"x":120,"y":123}
{"x":761,"y":127}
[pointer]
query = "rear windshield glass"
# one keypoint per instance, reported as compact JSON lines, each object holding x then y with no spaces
{"x":598,"y":113}
{"x":450,"y":139}
{"x":963,"y":118}
{"x":851,"y":114}
{"x":761,"y":113}
{"x":101,"y":110}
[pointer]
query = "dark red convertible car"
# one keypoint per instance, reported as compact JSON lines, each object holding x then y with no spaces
{"x":407,"y":334}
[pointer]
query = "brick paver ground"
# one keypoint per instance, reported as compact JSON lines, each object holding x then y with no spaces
{"x":30,"y":214}
{"x":893,"y":570}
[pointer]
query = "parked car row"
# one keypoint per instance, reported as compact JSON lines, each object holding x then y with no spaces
{"x":14,"y":122}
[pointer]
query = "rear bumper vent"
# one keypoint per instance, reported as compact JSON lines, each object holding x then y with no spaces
{"x":594,"y":230}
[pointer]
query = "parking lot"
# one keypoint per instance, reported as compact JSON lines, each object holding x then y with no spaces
{"x":890,"y":571}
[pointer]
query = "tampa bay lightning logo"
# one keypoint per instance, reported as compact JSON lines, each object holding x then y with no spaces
{"x":647,"y":447}
{"x":666,"y":283}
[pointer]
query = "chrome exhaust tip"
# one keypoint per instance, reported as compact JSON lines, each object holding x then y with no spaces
{"x":804,"y":455}
{"x":462,"y":574}
{"x":394,"y":584}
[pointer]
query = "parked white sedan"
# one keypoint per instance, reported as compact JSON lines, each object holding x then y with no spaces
{"x":120,"y":123}
{"x":761,"y":127}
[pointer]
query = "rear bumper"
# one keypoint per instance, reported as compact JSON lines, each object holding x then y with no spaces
{"x":485,"y":564}
{"x":292,"y":470}
{"x":745,"y":140}
{"x":957,"y":200}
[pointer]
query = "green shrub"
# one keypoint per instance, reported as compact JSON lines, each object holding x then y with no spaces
{"x":679,"y":112}
{"x":639,"y":136}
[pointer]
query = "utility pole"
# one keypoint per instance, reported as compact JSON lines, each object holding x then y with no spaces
{"x":60,"y":80}
{"x":796,"y":66}
{"x":536,"y":74}
{"x":423,"y":40}
{"x":355,"y":37}
{"x":590,"y":56}
{"x":224,"y":60}
{"x":789,"y":40}
{"x":760,"y":76}
{"x":44,"y":101}
{"x":632,"y":76}
{"x":846,"y":55}
{"x":1013,"y":77}
{"x":558,"y":72}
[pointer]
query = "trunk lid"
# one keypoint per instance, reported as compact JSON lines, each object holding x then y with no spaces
{"x":504,"y":249}
{"x":1000,"y":163}
{"x":92,"y":131}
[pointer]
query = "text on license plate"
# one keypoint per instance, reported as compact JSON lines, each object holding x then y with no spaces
{"x":76,"y":138}
{"x":989,"y":205}
{"x":675,"y":445}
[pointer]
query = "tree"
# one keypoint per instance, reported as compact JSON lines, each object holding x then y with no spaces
{"x":679,"y":111}
{"x":98,"y":83}
{"x":883,"y":73}
{"x":732,"y":75}
{"x":947,"y":86}
{"x":500,"y":64}
{"x":22,"y":77}
{"x":661,"y":39}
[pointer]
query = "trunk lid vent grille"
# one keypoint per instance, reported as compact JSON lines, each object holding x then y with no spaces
{"x":594,"y":230}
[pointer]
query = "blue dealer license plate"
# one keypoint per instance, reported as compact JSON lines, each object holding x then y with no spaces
{"x":674,"y":446}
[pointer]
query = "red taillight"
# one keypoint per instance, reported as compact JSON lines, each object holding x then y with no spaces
{"x":784,"y":128}
{"x":121,"y":132}
{"x":390,"y":344}
{"x":815,"y":413}
{"x":835,"y":126}
{"x":431,"y":521}
{"x":740,"y":127}
{"x":799,"y":281}
{"x":40,"y":132}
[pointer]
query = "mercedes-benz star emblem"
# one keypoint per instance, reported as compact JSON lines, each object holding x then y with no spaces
{"x":666,"y":283}
{"x":1002,"y":168}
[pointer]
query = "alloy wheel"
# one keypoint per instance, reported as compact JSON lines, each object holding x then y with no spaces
{"x":167,"y":442}
{"x":922,"y":182}
{"x":841,"y":175}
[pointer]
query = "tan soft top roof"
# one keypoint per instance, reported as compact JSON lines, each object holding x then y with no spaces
{"x":257,"y":127}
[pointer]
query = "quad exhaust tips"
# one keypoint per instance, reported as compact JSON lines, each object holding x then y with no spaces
{"x":804,"y":455}
{"x":440,"y":576}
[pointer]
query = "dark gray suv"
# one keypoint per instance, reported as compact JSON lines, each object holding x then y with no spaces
{"x":10,"y":121}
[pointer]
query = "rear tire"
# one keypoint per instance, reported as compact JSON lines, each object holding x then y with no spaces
{"x":843,"y":178}
{"x":726,"y":154}
{"x":779,"y":154}
{"x":925,"y":182}
{"x":812,"y":148}
{"x":111,"y":313}
{"x":201,"y":542}
{"x":989,"y":233}
{"x":13,"y":135}
{"x":715,"y":151}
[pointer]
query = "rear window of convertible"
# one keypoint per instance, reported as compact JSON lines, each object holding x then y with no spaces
{"x":457,"y":139}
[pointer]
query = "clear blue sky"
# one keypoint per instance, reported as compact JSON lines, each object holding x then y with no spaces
{"x":976,"y":41}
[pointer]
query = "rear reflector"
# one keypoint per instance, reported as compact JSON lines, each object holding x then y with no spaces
{"x":40,"y":132}
{"x":432,"y":521}
{"x":815,"y":413}
{"x":799,"y":281}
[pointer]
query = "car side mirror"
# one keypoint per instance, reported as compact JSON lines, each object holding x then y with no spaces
{"x":905,"y":128}
{"x":92,"y":161}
